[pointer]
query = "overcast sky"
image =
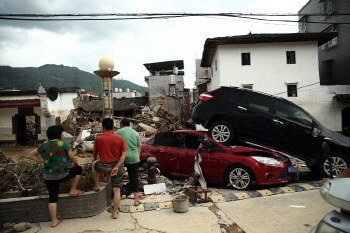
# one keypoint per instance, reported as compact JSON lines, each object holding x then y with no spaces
{"x":130,"y":43}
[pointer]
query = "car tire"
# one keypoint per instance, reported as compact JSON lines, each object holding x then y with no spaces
{"x":222,"y":132}
{"x":243,"y":176}
{"x":312,"y":168}
{"x":339,"y":163}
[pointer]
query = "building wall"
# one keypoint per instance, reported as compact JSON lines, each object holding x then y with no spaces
{"x":157,"y":83}
{"x":124,"y":94}
{"x":62,"y":106}
{"x":340,"y":54}
{"x":6,"y":123}
{"x":270,"y":73}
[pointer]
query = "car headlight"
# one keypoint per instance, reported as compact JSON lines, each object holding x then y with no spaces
{"x":266,"y":160}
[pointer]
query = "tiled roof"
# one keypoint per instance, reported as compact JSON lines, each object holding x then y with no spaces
{"x":123,"y":104}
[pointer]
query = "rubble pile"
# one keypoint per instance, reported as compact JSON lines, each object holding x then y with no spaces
{"x":153,"y":119}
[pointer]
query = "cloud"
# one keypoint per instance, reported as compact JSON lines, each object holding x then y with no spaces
{"x":129,"y":43}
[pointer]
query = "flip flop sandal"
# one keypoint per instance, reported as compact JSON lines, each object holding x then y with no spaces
{"x":59,"y":221}
{"x":76,"y":194}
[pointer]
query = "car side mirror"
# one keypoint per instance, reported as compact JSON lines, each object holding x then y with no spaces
{"x":316,"y":132}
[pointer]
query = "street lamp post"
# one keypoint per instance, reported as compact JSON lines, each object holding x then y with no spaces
{"x":107,"y":73}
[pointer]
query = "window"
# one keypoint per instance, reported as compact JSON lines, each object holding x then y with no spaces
{"x":245,"y":59}
{"x":293,"y":113}
{"x":327,"y":6}
{"x":290,"y":57}
{"x":332,"y":42}
{"x":166,"y":139}
{"x":216,"y":65}
{"x":292,"y":90}
{"x":259,"y":102}
{"x":191,"y":142}
{"x":327,"y":68}
{"x":303,"y":26}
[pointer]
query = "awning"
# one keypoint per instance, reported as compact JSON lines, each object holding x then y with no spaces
{"x":342,"y":98}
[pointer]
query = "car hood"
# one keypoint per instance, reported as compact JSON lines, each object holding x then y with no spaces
{"x":242,"y":150}
{"x":335,"y":137}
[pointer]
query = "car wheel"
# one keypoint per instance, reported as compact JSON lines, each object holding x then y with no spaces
{"x":240,"y":177}
{"x":222,"y":132}
{"x":339,"y":163}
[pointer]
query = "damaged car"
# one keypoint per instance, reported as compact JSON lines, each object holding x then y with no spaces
{"x":236,"y":166}
{"x":235,"y":115}
{"x":88,"y":143}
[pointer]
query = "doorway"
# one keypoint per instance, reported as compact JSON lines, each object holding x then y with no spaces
{"x":345,"y":115}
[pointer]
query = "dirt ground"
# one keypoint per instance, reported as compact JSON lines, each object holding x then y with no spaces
{"x":19,"y":153}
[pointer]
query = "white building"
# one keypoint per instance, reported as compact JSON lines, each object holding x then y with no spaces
{"x":25,"y":115}
{"x":119,"y":93}
{"x":284,"y":65}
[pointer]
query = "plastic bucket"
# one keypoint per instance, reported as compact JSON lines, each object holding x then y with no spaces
{"x":180,"y":204}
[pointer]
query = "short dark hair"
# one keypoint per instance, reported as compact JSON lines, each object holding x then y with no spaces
{"x":125,"y":121}
{"x":54,"y":132}
{"x":108,"y":123}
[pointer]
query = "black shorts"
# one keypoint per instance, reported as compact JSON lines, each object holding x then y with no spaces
{"x":54,"y":185}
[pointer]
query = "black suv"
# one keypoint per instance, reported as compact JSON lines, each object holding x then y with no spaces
{"x":233,"y":115}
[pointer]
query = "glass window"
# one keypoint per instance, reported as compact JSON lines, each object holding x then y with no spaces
{"x":191,"y":142}
{"x":290,"y":57}
{"x":292,"y":90}
{"x":150,"y":142}
{"x":166,"y":139}
{"x":259,"y":102}
{"x":293,"y":113}
{"x":303,"y":26}
{"x":245,"y":59}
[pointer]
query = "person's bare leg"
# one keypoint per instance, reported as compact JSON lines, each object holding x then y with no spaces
{"x":116,"y":201}
{"x":53,"y":214}
{"x":136,"y":198}
{"x":75,"y":181}
{"x":96,"y":176}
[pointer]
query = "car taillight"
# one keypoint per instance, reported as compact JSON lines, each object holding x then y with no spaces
{"x":206,"y":97}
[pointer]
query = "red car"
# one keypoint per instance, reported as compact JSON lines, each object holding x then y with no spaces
{"x":175,"y":152}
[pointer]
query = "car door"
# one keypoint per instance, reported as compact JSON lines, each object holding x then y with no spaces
{"x":187,"y":152}
{"x":165,"y":149}
{"x":293,"y":132}
{"x":255,"y":119}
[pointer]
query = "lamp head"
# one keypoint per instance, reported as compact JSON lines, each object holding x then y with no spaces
{"x":106,"y":63}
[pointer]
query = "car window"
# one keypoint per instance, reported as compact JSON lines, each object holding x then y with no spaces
{"x":90,"y":138}
{"x":166,"y":139}
{"x":151,"y":141}
{"x":293,"y":113}
{"x":191,"y":141}
{"x":259,"y":102}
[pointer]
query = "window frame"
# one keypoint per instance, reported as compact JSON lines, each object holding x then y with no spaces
{"x":291,"y":57}
{"x":246,"y":60}
{"x":291,"y":90}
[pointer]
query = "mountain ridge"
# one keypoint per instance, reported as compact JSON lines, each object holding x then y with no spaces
{"x":50,"y":75}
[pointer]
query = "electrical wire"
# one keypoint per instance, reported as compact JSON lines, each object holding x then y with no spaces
{"x":139,"y":16}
